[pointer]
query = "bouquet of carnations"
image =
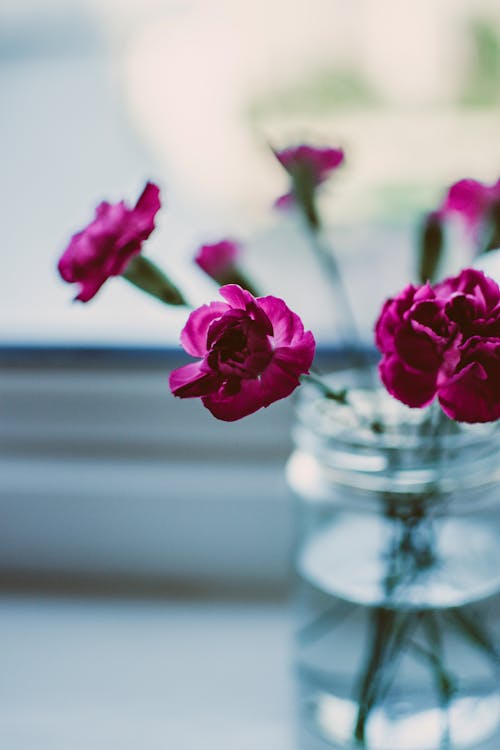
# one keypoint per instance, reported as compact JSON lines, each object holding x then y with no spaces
{"x":439,"y":342}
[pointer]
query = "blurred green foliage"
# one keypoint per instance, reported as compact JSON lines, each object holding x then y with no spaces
{"x":320,"y":93}
{"x":482,"y":80}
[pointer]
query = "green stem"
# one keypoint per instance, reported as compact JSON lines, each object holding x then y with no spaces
{"x":367,"y":691}
{"x":324,"y":623}
{"x":410,"y":553}
{"x":305,"y":196}
{"x":401,"y":638}
{"x":342,"y":397}
{"x":339,"y":396}
{"x":475,"y":634}
{"x":328,"y":262}
{"x":387,"y":642}
{"x":444,"y":680}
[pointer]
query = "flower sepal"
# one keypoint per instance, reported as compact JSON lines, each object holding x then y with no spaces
{"x":431,"y":247}
{"x":144,"y":274}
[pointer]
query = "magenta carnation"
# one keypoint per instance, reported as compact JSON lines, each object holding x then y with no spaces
{"x":106,"y":246}
{"x":251,"y":353}
{"x":444,"y":341}
{"x":218,"y":259}
{"x":472,"y":200}
{"x":315,"y":163}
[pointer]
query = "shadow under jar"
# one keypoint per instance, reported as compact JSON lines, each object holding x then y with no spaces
{"x":398,"y":569}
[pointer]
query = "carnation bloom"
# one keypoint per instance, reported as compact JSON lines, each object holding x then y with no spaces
{"x":218,"y":259}
{"x":444,"y":341}
{"x":106,"y":246}
{"x":472,"y":200}
{"x":251,"y":353}
{"x":310,"y":163}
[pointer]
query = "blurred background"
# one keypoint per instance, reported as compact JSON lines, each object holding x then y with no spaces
{"x":143,"y":546}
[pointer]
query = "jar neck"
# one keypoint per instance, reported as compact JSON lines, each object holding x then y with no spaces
{"x":413,"y":456}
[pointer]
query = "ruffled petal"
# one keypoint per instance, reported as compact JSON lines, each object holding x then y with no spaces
{"x":467,"y":397}
{"x":194,"y":333}
{"x":419,"y":350}
{"x":148,"y":204}
{"x":193,"y":380}
{"x":473,"y":393}
{"x":88,"y":289}
{"x":106,"y":246}
{"x":253,"y":395}
{"x":287,"y":326}
{"x":274,"y":384}
{"x":413,"y":387}
{"x":277,"y":382}
{"x":390,"y":318}
{"x":233,"y":406}
{"x":297,"y":360}
{"x":236,"y":296}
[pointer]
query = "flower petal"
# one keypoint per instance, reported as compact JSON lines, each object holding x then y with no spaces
{"x":413,"y":387}
{"x":389,"y":320}
{"x":467,"y":397}
{"x":236,"y":296}
{"x":473,"y":393}
{"x":233,"y":406}
{"x":277,"y":382}
{"x":284,"y":202}
{"x":287,"y":326}
{"x":298,"y":359}
{"x":194,"y":333}
{"x":88,"y":290}
{"x":470,"y":199}
{"x":218,"y":258}
{"x":193,"y":380}
{"x":148,"y":204}
{"x":419,"y":350}
{"x":274,"y":384}
{"x":105,"y":247}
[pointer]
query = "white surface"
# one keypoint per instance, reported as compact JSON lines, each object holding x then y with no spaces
{"x":83,"y":674}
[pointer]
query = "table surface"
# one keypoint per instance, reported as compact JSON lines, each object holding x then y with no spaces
{"x":81,"y":673}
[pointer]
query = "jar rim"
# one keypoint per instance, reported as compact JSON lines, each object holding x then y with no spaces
{"x":410,"y":452}
{"x":374,"y":418}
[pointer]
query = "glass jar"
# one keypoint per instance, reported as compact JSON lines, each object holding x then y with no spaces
{"x":398,"y":568}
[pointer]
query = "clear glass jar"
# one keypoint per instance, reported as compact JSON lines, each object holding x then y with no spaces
{"x":398,"y":567}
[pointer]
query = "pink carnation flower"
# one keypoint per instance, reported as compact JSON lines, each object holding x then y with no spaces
{"x":251,"y":353}
{"x":472,"y":200}
{"x":218,"y":259}
{"x":106,"y":246}
{"x":315,"y":163}
{"x":444,"y":341}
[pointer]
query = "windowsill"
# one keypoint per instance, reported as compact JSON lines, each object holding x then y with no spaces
{"x":105,"y":474}
{"x":93,"y":673}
